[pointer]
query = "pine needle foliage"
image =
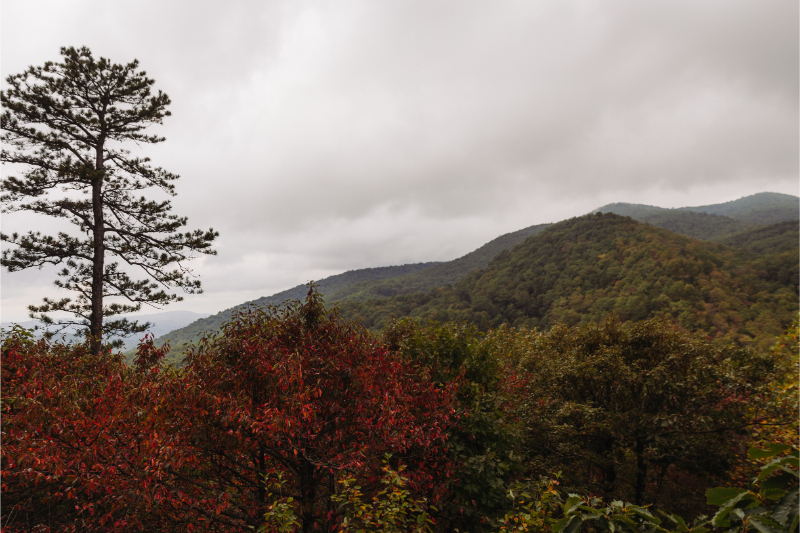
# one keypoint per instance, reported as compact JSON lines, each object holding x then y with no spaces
{"x":66,"y":128}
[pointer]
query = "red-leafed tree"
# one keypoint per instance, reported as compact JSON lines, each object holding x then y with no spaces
{"x":79,"y":436}
{"x":297,"y":394}
{"x":301,"y":394}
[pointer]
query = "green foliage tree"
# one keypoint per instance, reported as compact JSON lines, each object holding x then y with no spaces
{"x":64,"y":124}
{"x":641,"y":411}
{"x":484,"y":446}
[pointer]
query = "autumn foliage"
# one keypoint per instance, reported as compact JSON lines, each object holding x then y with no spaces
{"x":294,"y":419}
{"x":297,"y":395}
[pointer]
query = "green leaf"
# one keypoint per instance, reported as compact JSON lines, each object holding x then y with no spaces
{"x":777,"y":482}
{"x":771,"y":451}
{"x":680,"y":522}
{"x":785,"y":507}
{"x":781,"y":464}
{"x":721,"y":495}
{"x":571,"y":526}
{"x":573,"y":501}
{"x":763,"y":525}
{"x":721,"y":518}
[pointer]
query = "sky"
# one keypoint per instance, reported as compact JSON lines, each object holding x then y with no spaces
{"x":319,"y":137}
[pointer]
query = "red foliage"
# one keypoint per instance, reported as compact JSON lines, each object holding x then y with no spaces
{"x":91,"y":445}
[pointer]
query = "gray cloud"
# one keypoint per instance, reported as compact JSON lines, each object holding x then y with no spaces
{"x":321,"y":136}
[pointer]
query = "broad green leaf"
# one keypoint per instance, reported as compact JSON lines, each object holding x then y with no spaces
{"x":763,"y":525}
{"x":720,"y":495}
{"x":777,"y":482}
{"x":573,"y":501}
{"x":776,"y":464}
{"x":721,"y":518}
{"x":572,"y":525}
{"x":788,"y":504}
{"x":771,"y":451}
{"x":680,"y":522}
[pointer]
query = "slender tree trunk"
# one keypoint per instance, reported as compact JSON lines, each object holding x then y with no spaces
{"x":660,"y":483}
{"x":308,"y":494}
{"x":98,"y":259}
{"x":607,"y":467}
{"x":641,"y":471}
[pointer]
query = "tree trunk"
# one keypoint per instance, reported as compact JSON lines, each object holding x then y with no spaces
{"x":98,"y":258}
{"x":641,"y":471}
{"x":308,"y":494}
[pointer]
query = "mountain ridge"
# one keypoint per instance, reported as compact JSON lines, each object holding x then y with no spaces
{"x":704,"y":222}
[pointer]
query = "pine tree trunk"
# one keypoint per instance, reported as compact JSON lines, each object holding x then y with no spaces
{"x":98,"y":259}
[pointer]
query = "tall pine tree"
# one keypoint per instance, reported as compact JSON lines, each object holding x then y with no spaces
{"x":66,"y":126}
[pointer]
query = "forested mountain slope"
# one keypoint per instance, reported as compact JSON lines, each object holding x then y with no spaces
{"x":438,"y":275}
{"x":368,"y":283}
{"x":698,"y":225}
{"x":579,"y":270}
{"x":775,"y":238}
{"x":180,"y":337}
{"x":714,"y":222}
{"x":761,"y":209}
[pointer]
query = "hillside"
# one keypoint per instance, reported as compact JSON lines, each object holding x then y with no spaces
{"x":437,"y":276}
{"x":579,"y":270}
{"x":773,"y":239}
{"x":714,"y":222}
{"x":367,"y":283}
{"x":181,"y":336}
{"x":762,"y":209}
{"x":703,"y":226}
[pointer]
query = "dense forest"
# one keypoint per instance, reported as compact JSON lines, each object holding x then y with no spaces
{"x":294,"y":419}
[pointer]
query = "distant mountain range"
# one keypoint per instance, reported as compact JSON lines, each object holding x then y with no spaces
{"x":714,"y":222}
{"x":579,"y":270}
{"x":746,"y":224}
{"x":756,"y":246}
{"x":162,"y":323}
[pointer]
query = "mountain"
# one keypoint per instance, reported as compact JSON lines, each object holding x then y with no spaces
{"x":579,"y":270}
{"x":439,"y":275}
{"x":181,"y":336}
{"x":161,"y":323}
{"x":759,"y":209}
{"x":368,"y":283}
{"x":714,"y":222}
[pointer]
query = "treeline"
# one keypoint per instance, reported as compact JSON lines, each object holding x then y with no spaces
{"x":295,"y":419}
{"x":578,"y":271}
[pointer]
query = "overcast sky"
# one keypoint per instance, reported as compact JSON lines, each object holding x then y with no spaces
{"x":319,"y":137}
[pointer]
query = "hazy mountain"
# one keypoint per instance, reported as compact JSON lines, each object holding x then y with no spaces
{"x":761,"y":209}
{"x":773,"y":239}
{"x":731,"y":222}
{"x":579,"y":270}
{"x":161,"y":323}
{"x":369,"y":283}
{"x":180,"y":336}
{"x":714,"y":222}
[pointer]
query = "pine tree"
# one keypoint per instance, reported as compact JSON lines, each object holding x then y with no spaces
{"x":66,"y":125}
